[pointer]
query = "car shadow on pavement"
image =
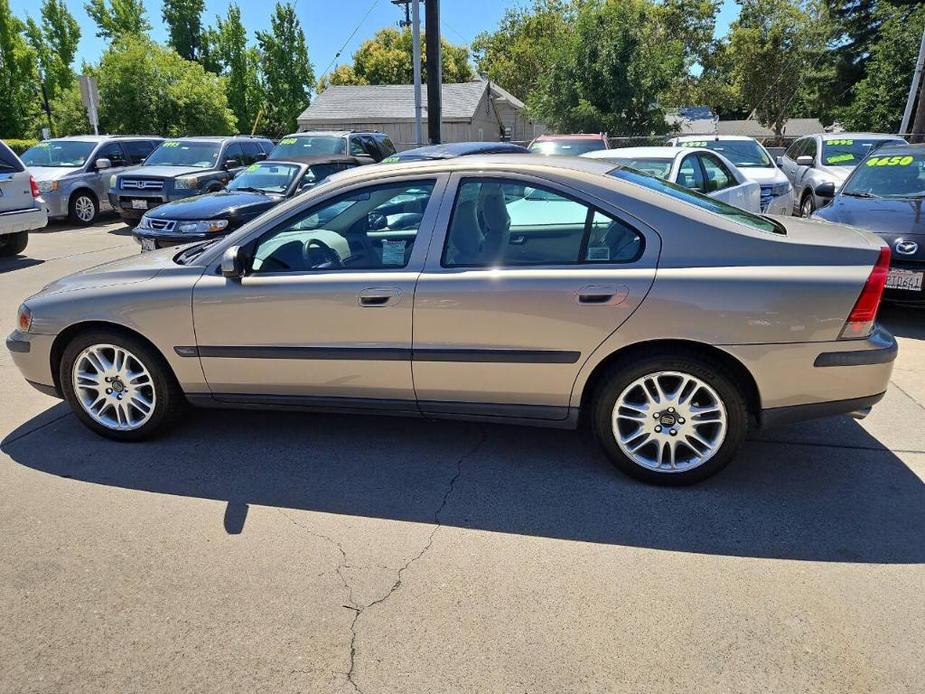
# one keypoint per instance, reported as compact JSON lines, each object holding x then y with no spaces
{"x":903,"y":321}
{"x":856,"y":502}
{"x":18,"y":262}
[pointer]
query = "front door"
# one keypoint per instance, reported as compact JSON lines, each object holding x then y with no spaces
{"x":527,"y":280}
{"x":101,"y":177}
{"x":324,"y":313}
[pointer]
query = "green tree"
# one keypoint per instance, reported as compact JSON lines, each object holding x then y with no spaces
{"x":241,"y":66}
{"x":611,"y":71}
{"x":70,"y":116}
{"x":880,"y":97}
{"x":18,"y":77}
{"x":118,"y":18}
{"x":694,"y":22}
{"x":387,"y":59}
{"x":147,"y":88}
{"x":287,"y":73}
{"x":55,"y":44}
{"x":184,"y":26}
{"x":523,"y":46}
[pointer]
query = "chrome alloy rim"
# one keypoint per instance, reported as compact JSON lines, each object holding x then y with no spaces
{"x":85,"y":208}
{"x":114,"y":387}
{"x":807,"y":209}
{"x":669,"y":421}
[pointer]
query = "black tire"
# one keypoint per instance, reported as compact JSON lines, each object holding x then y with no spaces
{"x":13,"y":244}
{"x":622,"y":375}
{"x":807,"y":205}
{"x":168,"y":404}
{"x":80,"y":201}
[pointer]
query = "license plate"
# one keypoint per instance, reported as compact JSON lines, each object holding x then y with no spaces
{"x":139,"y":204}
{"x":148,"y":245}
{"x":908,"y":280}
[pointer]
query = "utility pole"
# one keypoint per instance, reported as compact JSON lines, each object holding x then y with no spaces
{"x":432,"y":47}
{"x":416,"y":63}
{"x":915,"y":88}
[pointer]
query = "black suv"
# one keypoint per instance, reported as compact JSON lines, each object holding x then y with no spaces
{"x":368,"y":147}
{"x":182,"y":167}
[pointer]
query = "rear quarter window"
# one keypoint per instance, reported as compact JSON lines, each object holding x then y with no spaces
{"x":8,"y":160}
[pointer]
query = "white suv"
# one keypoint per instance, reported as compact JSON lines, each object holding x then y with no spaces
{"x":21,"y":208}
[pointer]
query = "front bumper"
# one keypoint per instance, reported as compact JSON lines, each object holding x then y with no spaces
{"x":782,"y":204}
{"x":151,"y":240}
{"x":56,"y":204}
{"x":32,"y":355}
{"x":124,"y":201}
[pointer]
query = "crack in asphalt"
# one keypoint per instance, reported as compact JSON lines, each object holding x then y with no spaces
{"x":358,"y":610}
{"x":908,"y":395}
{"x":7,"y":442}
{"x":821,"y":444}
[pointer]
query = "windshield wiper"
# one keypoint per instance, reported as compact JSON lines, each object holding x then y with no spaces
{"x":860,"y":194}
{"x":193,"y":252}
{"x":248,"y":189}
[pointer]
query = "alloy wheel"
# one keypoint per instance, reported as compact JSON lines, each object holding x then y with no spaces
{"x":114,"y":387}
{"x":669,"y":422}
{"x":85,"y":209}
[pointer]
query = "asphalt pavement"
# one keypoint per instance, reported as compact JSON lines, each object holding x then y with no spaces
{"x":266,"y":551}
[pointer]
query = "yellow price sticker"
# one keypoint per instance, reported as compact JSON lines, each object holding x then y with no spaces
{"x":836,"y":143}
{"x":170,"y":144}
{"x":891,"y":161}
{"x":697,"y":143}
{"x":391,"y":160}
{"x":838,"y":158}
{"x":288,"y":141}
{"x":253,"y":167}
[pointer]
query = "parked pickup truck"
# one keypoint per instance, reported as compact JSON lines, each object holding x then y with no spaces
{"x":181,"y":168}
{"x":21,"y":208}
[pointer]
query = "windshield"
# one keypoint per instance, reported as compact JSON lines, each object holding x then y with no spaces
{"x":850,"y":151}
{"x":567,"y":147}
{"x":309,"y":146}
{"x":266,"y":177}
{"x":889,"y":176}
{"x":694,"y":198}
{"x":742,"y":153}
{"x":653,"y":167}
{"x":67,"y":153}
{"x":199,"y":155}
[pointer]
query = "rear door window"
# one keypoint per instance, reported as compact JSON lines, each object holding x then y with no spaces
{"x":252,"y":153}
{"x":8,"y":160}
{"x":690,"y":175}
{"x":233,"y":151}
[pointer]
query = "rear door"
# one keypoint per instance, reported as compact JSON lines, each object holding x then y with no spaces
{"x":523,"y":280}
{"x":15,"y":189}
{"x":100,"y":177}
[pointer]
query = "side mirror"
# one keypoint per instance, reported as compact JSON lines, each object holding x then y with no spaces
{"x":826,"y":190}
{"x":804,"y":161}
{"x":103,"y":163}
{"x":233,"y":262}
{"x":779,"y":160}
{"x":232,"y":164}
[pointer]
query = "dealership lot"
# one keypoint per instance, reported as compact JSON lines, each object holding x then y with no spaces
{"x":331,"y":553}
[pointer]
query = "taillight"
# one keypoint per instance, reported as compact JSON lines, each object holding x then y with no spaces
{"x":35,"y":187}
{"x":861,"y":321}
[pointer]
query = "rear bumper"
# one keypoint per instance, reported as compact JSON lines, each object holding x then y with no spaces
{"x":23,"y":220}
{"x":779,"y":416}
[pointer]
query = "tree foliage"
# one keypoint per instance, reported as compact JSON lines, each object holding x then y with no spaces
{"x":147,"y":88}
{"x":18,"y":77}
{"x":288,"y":75}
{"x":240,"y":65}
{"x":55,"y":44}
{"x":184,"y":26}
{"x":118,"y":18}
{"x":387,"y":59}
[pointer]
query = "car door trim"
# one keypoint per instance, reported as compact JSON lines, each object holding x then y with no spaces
{"x":494,"y":356}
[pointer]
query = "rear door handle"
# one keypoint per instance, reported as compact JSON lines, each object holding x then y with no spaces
{"x":379,"y":296}
{"x":602,"y":295}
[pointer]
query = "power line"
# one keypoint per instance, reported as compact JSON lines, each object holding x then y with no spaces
{"x":350,"y":38}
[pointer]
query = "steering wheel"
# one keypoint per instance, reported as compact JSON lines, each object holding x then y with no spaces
{"x":331,"y":259}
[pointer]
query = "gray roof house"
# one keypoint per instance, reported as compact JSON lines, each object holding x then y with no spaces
{"x":795,"y":127}
{"x":479,"y":110}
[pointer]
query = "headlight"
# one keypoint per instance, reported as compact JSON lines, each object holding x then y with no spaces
{"x":112,"y":181}
{"x":186,"y":183}
{"x":780,"y":188}
{"x":203,"y":227}
{"x":48,"y":186}
{"x":24,"y":319}
{"x":144,"y":222}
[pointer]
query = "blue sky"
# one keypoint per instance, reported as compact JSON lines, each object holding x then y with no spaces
{"x":327,"y":24}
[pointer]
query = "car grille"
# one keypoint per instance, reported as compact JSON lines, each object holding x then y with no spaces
{"x":766,"y":197}
{"x":142,"y":184}
{"x":161,"y":224}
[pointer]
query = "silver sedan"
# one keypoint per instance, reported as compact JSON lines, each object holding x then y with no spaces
{"x":499,"y":288}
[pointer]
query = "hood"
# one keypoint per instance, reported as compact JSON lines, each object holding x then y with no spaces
{"x":900,"y":223}
{"x":166,"y":171}
{"x":52,"y":173}
{"x":225,"y":204}
{"x":836,"y":174}
{"x":763,"y":174}
{"x":135,"y":268}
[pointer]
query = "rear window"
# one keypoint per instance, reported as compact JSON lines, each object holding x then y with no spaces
{"x":567,"y":147}
{"x":694,"y":198}
{"x":308,"y":146}
{"x":743,"y":153}
{"x":653,"y":167}
{"x":8,"y":160}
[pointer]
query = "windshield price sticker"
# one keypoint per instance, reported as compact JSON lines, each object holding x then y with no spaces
{"x":171,"y":144}
{"x":253,"y":167}
{"x":288,"y":141}
{"x":391,"y":160}
{"x":698,"y":143}
{"x":839,"y":158}
{"x":891,"y":161}
{"x":835,"y":143}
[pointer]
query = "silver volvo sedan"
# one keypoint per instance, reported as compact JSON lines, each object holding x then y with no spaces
{"x":499,"y":288}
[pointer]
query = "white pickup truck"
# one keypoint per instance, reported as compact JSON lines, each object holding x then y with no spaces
{"x":21,"y":207}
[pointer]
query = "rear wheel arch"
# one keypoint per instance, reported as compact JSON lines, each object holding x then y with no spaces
{"x":735,"y":368}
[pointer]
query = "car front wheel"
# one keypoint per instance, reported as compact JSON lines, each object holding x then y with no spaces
{"x":670,"y":420}
{"x":119,"y":386}
{"x":83,"y":208}
{"x":807,"y":206}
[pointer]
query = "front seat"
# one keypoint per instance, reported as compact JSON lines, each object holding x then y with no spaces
{"x":495,"y":221}
{"x":465,"y":235}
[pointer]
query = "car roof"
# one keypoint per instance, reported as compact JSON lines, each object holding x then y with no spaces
{"x":714,"y":138}
{"x":639,"y":152}
{"x":901,"y":149}
{"x":103,"y":138}
{"x":314,"y":159}
{"x":459,"y":149}
{"x":512,"y":162}
{"x":866,"y":136}
{"x":573,"y":136}
{"x":333,"y":133}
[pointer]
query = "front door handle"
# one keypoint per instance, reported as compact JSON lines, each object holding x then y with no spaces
{"x":602,"y":295}
{"x":379,"y":296}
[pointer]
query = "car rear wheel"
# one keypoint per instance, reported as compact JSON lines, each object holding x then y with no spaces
{"x":13,"y":244}
{"x":83,"y":208}
{"x":119,"y":386}
{"x":670,"y":420}
{"x":807,"y":205}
